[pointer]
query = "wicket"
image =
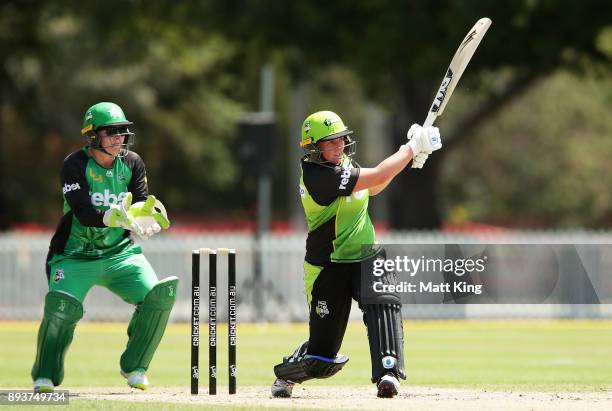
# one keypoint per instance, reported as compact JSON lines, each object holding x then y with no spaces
{"x":212,"y":318}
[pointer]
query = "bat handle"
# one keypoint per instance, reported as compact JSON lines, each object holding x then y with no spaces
{"x":431,"y":117}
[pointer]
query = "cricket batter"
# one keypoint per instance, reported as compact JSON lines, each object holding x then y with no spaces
{"x":92,"y":246}
{"x":335,"y":192}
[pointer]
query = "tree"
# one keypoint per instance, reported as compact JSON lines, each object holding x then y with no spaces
{"x":177,"y":82}
{"x":401,"y":49}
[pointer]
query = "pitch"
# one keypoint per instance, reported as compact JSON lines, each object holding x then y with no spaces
{"x":450,"y":364}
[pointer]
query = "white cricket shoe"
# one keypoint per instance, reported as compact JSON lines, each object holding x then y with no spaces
{"x":43,"y":385}
{"x":136,"y":379}
{"x":282,"y":388}
{"x":388,"y":386}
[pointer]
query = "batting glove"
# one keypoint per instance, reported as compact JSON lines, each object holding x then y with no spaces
{"x":424,"y":140}
{"x":419,"y":160}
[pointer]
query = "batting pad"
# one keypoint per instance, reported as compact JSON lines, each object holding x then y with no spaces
{"x":148,"y":324}
{"x":62,"y":312}
{"x":386,"y":338}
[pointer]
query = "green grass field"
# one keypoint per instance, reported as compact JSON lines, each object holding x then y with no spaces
{"x":503,"y":355}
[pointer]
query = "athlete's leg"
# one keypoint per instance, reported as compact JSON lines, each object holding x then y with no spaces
{"x":129,"y":275}
{"x":330,"y":306}
{"x":132,"y":278}
{"x":69,"y":282}
{"x":328,"y":292}
{"x":385,"y":336}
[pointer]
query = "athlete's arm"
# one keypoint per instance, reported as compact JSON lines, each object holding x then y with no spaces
{"x":420,"y":140}
{"x":379,"y":188}
{"x":325,"y":184}
{"x":76,"y":192}
{"x":138,"y":183}
{"x":377,"y":178}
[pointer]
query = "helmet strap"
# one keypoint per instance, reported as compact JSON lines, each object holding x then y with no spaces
{"x":94,"y":144}
{"x":104,"y":151}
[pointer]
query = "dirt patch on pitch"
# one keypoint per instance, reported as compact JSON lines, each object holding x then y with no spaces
{"x":360,"y":398}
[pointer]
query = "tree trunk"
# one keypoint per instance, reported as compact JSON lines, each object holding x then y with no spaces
{"x":414,"y":196}
{"x":414,"y":199}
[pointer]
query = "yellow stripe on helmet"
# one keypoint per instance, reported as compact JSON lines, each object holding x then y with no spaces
{"x":87,"y":129}
{"x":306,"y":142}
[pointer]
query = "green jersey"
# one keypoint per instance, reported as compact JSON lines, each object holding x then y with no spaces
{"x":88,"y":190}
{"x":338,"y":220}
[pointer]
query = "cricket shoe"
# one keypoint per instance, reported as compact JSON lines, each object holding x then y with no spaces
{"x":43,"y":385}
{"x":388,"y":386}
{"x":282,"y":388}
{"x":136,"y":379}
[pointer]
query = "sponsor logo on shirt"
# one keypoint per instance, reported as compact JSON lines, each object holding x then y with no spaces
{"x":70,"y":187}
{"x":346,"y":174}
{"x":106,"y":198}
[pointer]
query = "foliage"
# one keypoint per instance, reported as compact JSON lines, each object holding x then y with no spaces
{"x":400,"y":50}
{"x":185,"y":72}
{"x":542,"y":162}
{"x":178,"y":84}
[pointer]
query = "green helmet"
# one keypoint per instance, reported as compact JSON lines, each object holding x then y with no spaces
{"x":323,"y":126}
{"x":106,"y":116}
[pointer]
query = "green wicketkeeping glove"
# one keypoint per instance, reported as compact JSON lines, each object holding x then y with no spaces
{"x":118,"y":216}
{"x":150,"y":215}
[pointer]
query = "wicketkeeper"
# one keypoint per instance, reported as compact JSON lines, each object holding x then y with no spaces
{"x":92,"y":246}
{"x":335,"y":192}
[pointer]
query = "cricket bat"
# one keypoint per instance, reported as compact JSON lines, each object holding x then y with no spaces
{"x":456,"y":68}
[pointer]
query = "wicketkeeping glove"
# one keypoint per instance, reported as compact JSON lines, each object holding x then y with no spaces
{"x":150,"y":215}
{"x":118,"y":216}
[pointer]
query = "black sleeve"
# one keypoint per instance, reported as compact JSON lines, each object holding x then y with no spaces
{"x":138,"y":183}
{"x":76,"y":190}
{"x":325,"y":183}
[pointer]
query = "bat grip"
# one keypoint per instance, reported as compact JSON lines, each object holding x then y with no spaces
{"x":431,"y":117}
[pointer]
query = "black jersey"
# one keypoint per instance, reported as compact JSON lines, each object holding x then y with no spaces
{"x":338,"y":220}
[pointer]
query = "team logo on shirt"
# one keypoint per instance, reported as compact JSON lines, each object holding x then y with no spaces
{"x":121,"y":177}
{"x":59,"y":275}
{"x":109,"y":173}
{"x":94,"y":177}
{"x":322,"y":309}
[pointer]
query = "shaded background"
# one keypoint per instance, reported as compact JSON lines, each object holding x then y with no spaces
{"x":526,"y":133}
{"x":526,"y":146}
